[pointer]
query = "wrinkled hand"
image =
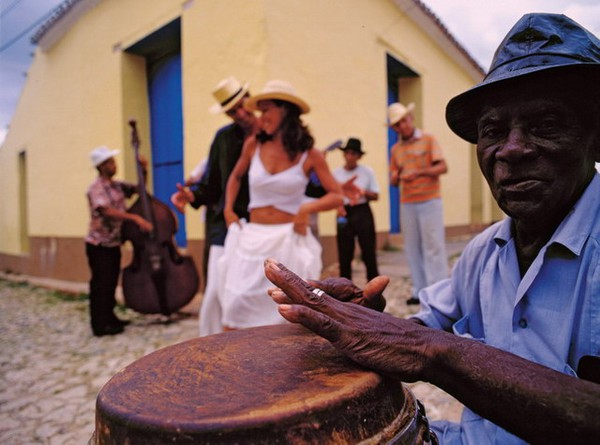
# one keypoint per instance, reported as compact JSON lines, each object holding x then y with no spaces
{"x":373,"y":339}
{"x":181,"y":197}
{"x":343,"y":289}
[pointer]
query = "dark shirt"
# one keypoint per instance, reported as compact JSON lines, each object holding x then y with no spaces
{"x":225,"y":151}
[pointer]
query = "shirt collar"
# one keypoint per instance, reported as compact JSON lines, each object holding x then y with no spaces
{"x":575,"y":229}
{"x":417,"y":134}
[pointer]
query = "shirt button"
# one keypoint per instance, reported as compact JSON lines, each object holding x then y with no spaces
{"x":523,"y":323}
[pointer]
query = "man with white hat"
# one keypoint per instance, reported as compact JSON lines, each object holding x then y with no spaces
{"x":225,"y":150}
{"x":106,"y":198}
{"x":416,"y":164}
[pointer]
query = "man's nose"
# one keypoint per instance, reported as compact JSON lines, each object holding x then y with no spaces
{"x":516,"y":147}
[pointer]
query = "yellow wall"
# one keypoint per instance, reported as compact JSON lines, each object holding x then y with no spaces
{"x":81,"y":93}
{"x":73,"y":100}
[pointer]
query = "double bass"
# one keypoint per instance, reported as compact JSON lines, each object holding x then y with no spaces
{"x":159,"y":279}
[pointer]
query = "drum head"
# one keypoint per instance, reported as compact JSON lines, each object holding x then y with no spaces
{"x":272,"y":384}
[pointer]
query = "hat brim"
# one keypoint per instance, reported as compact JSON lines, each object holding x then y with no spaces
{"x":463,"y":110}
{"x":218,"y":108}
{"x":252,"y":103}
{"x":345,"y":149}
{"x":409,"y":109}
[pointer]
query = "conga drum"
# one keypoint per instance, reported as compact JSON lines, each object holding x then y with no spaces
{"x":268,"y":385}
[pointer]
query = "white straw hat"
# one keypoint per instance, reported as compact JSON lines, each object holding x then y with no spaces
{"x":279,"y":90}
{"x":397,"y":111}
{"x":102,"y":153}
{"x":228,"y":92}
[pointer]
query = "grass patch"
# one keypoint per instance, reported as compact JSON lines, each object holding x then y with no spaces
{"x":68,"y":296}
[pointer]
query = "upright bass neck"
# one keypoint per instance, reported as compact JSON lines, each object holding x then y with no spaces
{"x":142,"y":192}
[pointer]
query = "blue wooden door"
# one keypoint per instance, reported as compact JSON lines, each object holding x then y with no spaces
{"x":166,"y":123}
{"x":394,"y":191}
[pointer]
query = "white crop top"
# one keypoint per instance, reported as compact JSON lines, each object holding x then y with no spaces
{"x":283,"y":190}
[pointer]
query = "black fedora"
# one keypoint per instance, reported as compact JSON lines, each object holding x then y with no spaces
{"x":540,"y":44}
{"x":353,"y":144}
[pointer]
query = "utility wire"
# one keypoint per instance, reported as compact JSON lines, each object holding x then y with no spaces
{"x":27,"y":30}
{"x":9,"y":7}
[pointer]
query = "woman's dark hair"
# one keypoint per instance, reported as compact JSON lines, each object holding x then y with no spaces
{"x":295,"y":135}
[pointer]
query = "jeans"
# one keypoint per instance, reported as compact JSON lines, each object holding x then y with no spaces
{"x":422,"y":225}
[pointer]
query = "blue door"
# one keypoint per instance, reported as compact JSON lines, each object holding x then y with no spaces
{"x":394,"y":191}
{"x":166,"y":123}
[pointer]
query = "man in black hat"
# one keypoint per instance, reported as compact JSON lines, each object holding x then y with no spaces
{"x":225,"y":151}
{"x":355,"y":220}
{"x":514,"y":334}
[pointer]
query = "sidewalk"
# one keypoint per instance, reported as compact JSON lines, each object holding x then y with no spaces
{"x":51,"y":367}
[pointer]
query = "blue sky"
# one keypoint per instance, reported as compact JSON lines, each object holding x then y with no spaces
{"x":479,"y":25}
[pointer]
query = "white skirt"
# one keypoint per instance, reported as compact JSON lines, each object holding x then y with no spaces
{"x":242,"y":282}
{"x":210,"y":310}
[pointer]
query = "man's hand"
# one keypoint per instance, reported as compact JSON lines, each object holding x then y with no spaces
{"x":345,"y":290}
{"x":373,"y":339}
{"x":181,"y":197}
{"x":351,"y":190}
{"x":143,"y":224}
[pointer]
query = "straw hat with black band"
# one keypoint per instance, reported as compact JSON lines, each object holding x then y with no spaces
{"x":228,"y":92}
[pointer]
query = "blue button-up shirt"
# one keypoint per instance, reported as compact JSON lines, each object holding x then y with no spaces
{"x":550,"y":316}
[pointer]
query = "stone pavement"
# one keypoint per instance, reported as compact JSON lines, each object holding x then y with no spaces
{"x":52,"y":368}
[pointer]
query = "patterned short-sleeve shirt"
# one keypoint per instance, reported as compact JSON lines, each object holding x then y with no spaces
{"x":103,"y":193}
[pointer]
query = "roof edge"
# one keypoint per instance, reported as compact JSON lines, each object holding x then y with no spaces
{"x":62,"y":19}
{"x":435,"y":28}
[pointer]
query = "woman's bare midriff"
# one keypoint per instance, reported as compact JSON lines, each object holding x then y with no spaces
{"x":270,"y":215}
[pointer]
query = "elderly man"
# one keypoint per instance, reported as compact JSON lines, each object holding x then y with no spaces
{"x":514,"y":334}
{"x":224,"y":153}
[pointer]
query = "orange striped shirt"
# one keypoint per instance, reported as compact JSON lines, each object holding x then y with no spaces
{"x":419,"y":152}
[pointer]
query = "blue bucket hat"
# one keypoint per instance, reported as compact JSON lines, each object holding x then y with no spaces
{"x":538,"y":45}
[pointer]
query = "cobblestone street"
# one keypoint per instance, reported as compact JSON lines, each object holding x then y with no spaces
{"x":51,"y":367}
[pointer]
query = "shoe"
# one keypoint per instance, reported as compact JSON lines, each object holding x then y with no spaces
{"x":123,"y":322}
{"x":109,"y":330}
{"x":413,"y":300}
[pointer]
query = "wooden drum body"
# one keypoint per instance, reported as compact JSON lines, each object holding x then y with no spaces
{"x":266,"y":385}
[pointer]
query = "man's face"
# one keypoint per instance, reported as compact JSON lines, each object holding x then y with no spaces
{"x":240,"y":115}
{"x":108,"y":168}
{"x":535,"y":154}
{"x":351,"y":157}
{"x":405,"y":127}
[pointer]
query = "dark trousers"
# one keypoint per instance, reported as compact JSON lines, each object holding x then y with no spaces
{"x":105,"y":266}
{"x":360,"y":224}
